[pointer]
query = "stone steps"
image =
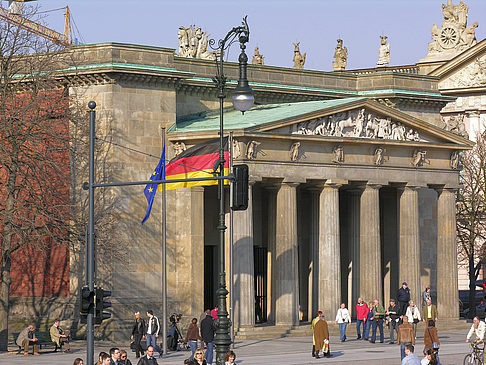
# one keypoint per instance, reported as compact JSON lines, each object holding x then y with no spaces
{"x":304,"y":330}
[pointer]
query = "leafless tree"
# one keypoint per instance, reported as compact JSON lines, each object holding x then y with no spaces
{"x":471,"y":215}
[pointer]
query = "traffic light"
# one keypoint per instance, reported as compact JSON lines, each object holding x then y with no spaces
{"x":240,"y":187}
{"x":101,"y":304}
{"x":86,"y":303}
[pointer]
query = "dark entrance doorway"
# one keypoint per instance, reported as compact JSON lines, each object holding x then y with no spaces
{"x":210,"y":276}
{"x":260,"y":267}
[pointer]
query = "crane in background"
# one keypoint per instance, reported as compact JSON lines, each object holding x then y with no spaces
{"x":14,"y":16}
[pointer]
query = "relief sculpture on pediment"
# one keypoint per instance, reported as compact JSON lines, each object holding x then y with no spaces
{"x":454,"y":124}
{"x":357,"y":123}
{"x":473,"y":75}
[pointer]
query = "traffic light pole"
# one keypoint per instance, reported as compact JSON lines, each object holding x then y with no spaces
{"x":90,"y":249}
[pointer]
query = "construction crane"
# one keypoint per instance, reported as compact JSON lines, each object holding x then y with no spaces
{"x":14,"y":16}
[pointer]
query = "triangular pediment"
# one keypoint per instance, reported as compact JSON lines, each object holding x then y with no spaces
{"x":362,"y":119}
{"x":465,"y":71}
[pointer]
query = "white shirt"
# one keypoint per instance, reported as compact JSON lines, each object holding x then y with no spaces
{"x":479,"y":331}
{"x":343,"y":316}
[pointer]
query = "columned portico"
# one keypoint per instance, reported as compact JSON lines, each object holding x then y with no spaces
{"x":370,"y":247}
{"x":409,"y":241}
{"x":286,"y":256}
{"x":447,"y":291}
{"x":244,"y":302}
{"x":328,"y":252}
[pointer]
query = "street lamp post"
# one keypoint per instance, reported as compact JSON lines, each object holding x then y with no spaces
{"x":243,"y":99}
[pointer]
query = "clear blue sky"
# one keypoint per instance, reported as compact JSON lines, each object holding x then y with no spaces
{"x":274,"y":25}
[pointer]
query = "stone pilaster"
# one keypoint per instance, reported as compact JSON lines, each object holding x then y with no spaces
{"x":328,"y":262}
{"x":409,"y":242}
{"x":447,"y":291}
{"x":370,"y":246}
{"x":286,"y":257}
{"x":244,"y":280}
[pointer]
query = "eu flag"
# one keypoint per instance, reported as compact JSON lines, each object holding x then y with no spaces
{"x":151,"y":189}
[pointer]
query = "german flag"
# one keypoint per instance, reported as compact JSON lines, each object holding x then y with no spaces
{"x":195,"y":162}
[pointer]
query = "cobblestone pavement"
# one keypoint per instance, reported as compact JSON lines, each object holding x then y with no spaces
{"x":290,"y":350}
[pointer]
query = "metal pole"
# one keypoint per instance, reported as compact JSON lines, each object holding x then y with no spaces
{"x":231,"y":295}
{"x":90,"y":249}
{"x":222,"y":340}
{"x":164,"y":259}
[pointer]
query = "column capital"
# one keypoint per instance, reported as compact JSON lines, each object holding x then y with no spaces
{"x":373,"y":186}
{"x":443,"y":188}
{"x":408,"y":187}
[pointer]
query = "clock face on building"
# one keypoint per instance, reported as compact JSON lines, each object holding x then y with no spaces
{"x":449,"y":36}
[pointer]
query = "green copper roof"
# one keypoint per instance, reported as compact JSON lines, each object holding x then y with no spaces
{"x":258,"y":115}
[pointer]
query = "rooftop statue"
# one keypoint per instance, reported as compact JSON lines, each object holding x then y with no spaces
{"x":383,"y":52}
{"x":455,"y":35}
{"x":341,"y":56}
{"x":193,"y":43}
{"x":299,"y":59}
{"x":257,"y":58}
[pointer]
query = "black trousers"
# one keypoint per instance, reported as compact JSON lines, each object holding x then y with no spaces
{"x":138,"y":347}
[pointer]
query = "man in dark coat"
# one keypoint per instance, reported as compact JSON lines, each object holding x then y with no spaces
{"x":207,"y":334}
{"x":403,"y":297}
{"x":149,"y":358}
{"x":138,"y":332}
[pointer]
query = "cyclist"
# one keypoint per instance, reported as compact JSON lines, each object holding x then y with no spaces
{"x":478,"y":328}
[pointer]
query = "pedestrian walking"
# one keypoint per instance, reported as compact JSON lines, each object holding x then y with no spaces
{"x":321,"y":334}
{"x":138,"y":331}
{"x":369,"y":318}
{"x":426,"y":296}
{"x":361,"y":313}
{"x":392,"y":319}
{"x":149,"y":358}
{"x":429,"y":312}
{"x":124,"y":358}
{"x":115,"y":356}
{"x":313,"y":323}
{"x":102,"y":355}
{"x":413,"y":315}
{"x":193,"y":336}
{"x":379,"y":315}
{"x":403,"y":297}
{"x":229,"y":358}
{"x":153,"y":328}
{"x":410,"y":358}
{"x":214,"y":312}
{"x":207,"y":334}
{"x":431,"y":338}
{"x":342,"y":318}
{"x":199,"y":355}
{"x":405,"y":337}
{"x":78,"y":361}
{"x":430,"y":358}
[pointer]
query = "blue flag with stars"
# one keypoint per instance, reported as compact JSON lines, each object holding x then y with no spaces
{"x":151,"y":189}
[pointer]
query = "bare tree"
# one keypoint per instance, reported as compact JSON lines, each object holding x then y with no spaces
{"x":471,"y":215}
{"x":36,"y":146}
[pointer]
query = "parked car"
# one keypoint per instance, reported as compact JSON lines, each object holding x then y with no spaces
{"x":464,"y":302}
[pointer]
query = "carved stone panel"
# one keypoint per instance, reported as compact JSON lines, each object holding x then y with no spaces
{"x":357,"y":123}
{"x":472,"y":75}
{"x":193,"y":43}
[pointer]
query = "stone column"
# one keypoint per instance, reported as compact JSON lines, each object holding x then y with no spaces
{"x":475,"y":127}
{"x":370,"y":246}
{"x":409,"y":242}
{"x":447,"y":291}
{"x":329,"y":253}
{"x":286,"y":257}
{"x":244,"y":280}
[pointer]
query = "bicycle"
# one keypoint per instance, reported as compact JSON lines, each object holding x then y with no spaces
{"x":476,"y":356}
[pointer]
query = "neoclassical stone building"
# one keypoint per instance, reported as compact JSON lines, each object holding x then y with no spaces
{"x":352,"y":178}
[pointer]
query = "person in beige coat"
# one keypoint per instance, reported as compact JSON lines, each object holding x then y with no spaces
{"x":26,"y":338}
{"x":321,"y":336}
{"x":59,"y":337}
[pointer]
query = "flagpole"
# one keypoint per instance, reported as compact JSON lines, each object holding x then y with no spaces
{"x":164,"y":257}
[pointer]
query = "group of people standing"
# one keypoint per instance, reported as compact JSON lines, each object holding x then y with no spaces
{"x":401,"y":317}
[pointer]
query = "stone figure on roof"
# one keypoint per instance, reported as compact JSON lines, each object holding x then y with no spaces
{"x":455,"y":35}
{"x":257,"y":58}
{"x":341,"y":56}
{"x":299,"y":59}
{"x":193,"y":43}
{"x":383,"y":52}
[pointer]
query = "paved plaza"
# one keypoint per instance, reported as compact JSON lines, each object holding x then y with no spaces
{"x":290,"y":350}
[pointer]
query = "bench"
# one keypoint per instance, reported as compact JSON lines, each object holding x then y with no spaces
{"x":44,"y":342}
